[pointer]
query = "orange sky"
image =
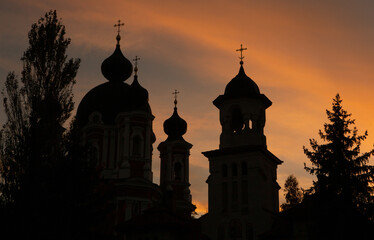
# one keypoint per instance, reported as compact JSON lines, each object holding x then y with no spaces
{"x":300,"y":53}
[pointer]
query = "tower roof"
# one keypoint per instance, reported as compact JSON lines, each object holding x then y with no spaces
{"x":241,"y":85}
{"x":175,"y":127}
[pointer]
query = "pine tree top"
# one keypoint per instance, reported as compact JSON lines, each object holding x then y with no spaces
{"x":339,"y":165}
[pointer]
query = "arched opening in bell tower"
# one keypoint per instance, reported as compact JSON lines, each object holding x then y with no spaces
{"x":237,"y":121}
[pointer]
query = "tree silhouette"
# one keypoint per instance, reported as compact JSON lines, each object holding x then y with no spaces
{"x":293,"y":193}
{"x":32,"y":135}
{"x":339,"y":165}
{"x":35,"y":173}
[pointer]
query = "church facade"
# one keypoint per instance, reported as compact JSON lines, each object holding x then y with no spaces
{"x":115,"y":120}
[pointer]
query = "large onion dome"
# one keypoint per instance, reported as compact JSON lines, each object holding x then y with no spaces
{"x":175,"y":127}
{"x":108,"y":99}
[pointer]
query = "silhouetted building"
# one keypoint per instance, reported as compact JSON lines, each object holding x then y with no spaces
{"x":242,"y":185}
{"x":116,"y":121}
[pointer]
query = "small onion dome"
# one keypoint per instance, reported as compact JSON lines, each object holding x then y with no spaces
{"x":139,"y":95}
{"x":241,"y":86}
{"x":175,"y":126}
{"x":116,"y":68}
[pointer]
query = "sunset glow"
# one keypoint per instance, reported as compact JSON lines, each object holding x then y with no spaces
{"x":300,"y":54}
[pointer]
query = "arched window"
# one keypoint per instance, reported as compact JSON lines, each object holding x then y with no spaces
{"x":244,"y":169}
{"x":136,"y":146}
{"x":178,"y":171}
{"x":234,"y":170}
{"x":237,"y":122}
{"x":224,"y":170}
{"x":244,"y":192}
{"x":93,"y":155}
{"x":225,"y":198}
{"x":135,"y":208}
{"x":234,"y":191}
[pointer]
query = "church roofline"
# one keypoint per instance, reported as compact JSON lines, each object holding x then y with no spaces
{"x":239,"y":150}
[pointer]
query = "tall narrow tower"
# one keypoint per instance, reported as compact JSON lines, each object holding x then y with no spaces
{"x":174,"y":176}
{"x":242,"y":186}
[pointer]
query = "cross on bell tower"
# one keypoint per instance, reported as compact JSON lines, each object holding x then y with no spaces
{"x":241,"y":49}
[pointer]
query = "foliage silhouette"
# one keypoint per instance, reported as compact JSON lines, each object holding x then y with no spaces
{"x":339,"y":166}
{"x":49,"y":190}
{"x":32,"y":136}
{"x":293,"y":194}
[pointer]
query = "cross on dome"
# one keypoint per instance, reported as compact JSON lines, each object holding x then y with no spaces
{"x":241,"y":49}
{"x":136,"y":59}
{"x":175,"y":93}
{"x":118,"y":25}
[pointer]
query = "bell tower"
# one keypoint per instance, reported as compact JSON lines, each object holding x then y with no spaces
{"x":174,"y":176}
{"x":242,"y":186}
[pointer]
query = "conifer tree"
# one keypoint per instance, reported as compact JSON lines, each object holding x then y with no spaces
{"x":293,"y":193}
{"x":340,"y":167}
